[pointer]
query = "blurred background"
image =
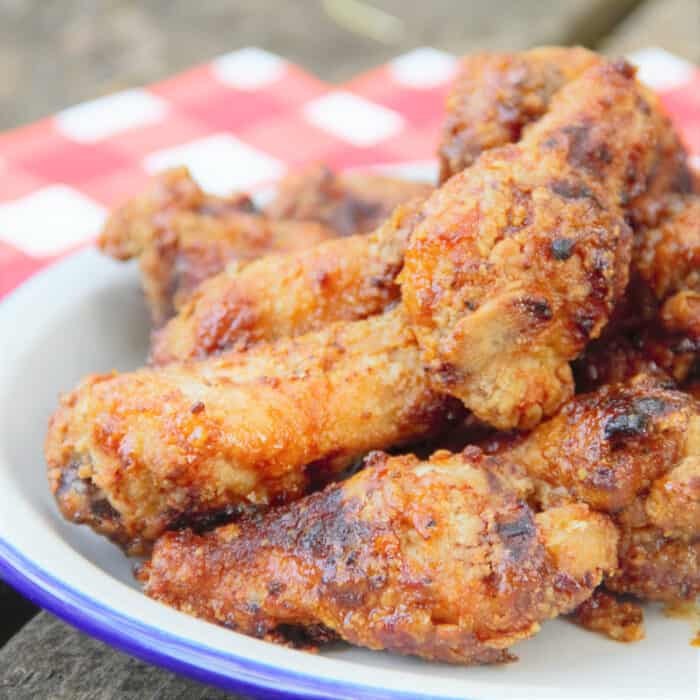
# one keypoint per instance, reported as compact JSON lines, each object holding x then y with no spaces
{"x":54,"y":54}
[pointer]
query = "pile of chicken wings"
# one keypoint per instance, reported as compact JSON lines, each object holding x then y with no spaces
{"x":417,"y":418}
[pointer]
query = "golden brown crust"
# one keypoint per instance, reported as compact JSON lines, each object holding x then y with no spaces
{"x":349,"y":203}
{"x":496,"y":96}
{"x":288,"y":295}
{"x":608,"y":446}
{"x":656,"y":567}
{"x":657,"y":326}
{"x":520,"y":259}
{"x":617,"y":619}
{"x":156,"y":447}
{"x":438,"y":559}
{"x":183,"y":235}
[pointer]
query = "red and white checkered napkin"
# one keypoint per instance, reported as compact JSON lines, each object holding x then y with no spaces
{"x":238,"y":123}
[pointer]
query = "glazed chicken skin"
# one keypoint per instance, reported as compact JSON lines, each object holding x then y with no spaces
{"x":349,"y":204}
{"x":281,"y":296}
{"x":655,"y":328}
{"x":183,"y":235}
{"x":135,"y":439}
{"x":520,"y":259}
{"x":134,"y":454}
{"x":496,"y":96}
{"x":632,"y":451}
{"x":438,"y":559}
{"x":313,"y":289}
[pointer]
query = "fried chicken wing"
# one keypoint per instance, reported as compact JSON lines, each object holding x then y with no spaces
{"x":631,"y":450}
{"x":496,"y":96}
{"x":438,"y":559}
{"x":182,"y":236}
{"x":656,"y":327}
{"x":230,"y":311}
{"x":605,"y":613}
{"x":287,"y":295}
{"x":520,"y":259}
{"x":349,"y":204}
{"x":363,"y":385}
{"x":134,"y":454}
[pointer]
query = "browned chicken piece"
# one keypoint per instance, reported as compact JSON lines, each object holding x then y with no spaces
{"x":231,"y":311}
{"x":496,"y":96}
{"x":134,"y":454}
{"x":131,"y":228}
{"x":630,"y":450}
{"x":182,"y":236}
{"x":656,"y":567}
{"x":520,"y":259}
{"x":617,"y":619}
{"x":272,"y":413}
{"x":438,"y":559}
{"x":287,"y":295}
{"x":657,"y":328}
{"x":349,"y":204}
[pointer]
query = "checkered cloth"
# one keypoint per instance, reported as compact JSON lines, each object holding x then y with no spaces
{"x":238,"y":122}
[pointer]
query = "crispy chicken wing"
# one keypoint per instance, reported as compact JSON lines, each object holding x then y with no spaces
{"x":520,"y":259}
{"x":438,"y":559}
{"x":631,"y":450}
{"x":134,"y":454}
{"x":286,"y":295}
{"x":230,"y":310}
{"x":349,"y":204}
{"x":496,"y":96}
{"x":182,"y":236}
{"x":657,"y":326}
{"x":271,"y":412}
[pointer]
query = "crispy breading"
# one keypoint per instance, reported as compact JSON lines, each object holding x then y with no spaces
{"x":605,"y":613}
{"x":496,"y":96}
{"x":520,"y":259}
{"x":287,"y":295}
{"x":657,"y":326}
{"x":134,"y":454}
{"x":632,"y":451}
{"x":231,"y":310}
{"x":656,"y":567}
{"x":349,"y":204}
{"x":438,"y":559}
{"x":183,"y":235}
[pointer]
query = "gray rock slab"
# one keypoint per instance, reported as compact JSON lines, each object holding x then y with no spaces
{"x":49,"y":660}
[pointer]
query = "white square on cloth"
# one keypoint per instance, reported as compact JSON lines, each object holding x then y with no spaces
{"x":248,"y":69}
{"x":352,"y":118}
{"x":50,"y":220}
{"x":93,"y":121}
{"x":660,"y":69}
{"x":424,"y":67}
{"x":220,"y":163}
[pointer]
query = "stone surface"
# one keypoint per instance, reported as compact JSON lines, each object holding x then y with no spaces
{"x":14,"y":612}
{"x":52,"y":661}
{"x":673,"y":25}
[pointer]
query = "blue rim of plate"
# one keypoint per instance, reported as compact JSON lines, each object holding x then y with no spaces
{"x":228,"y":671}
